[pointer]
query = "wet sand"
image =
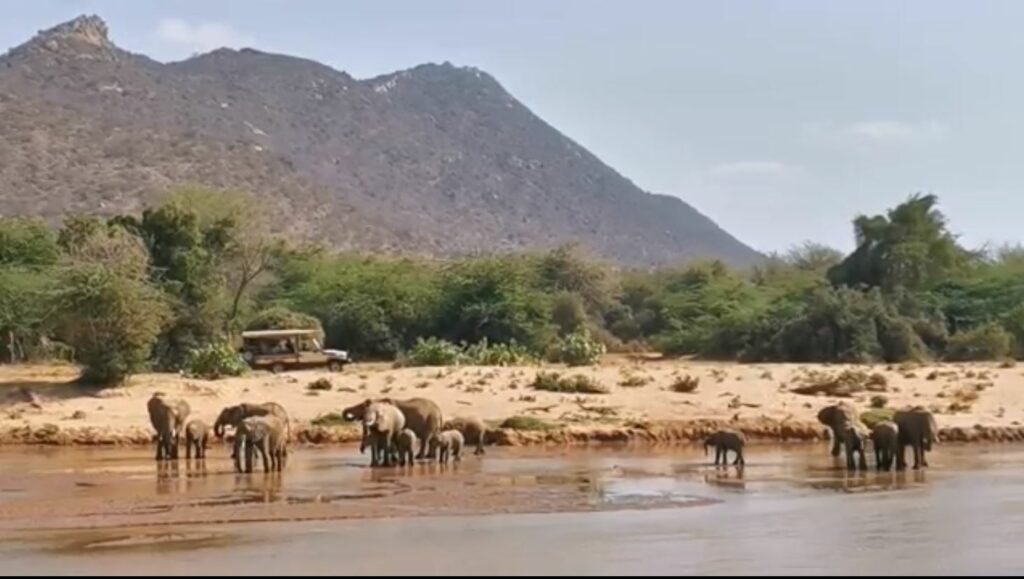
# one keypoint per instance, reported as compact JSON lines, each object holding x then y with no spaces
{"x":516,"y":511}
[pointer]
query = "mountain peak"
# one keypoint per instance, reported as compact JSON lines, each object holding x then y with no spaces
{"x":86,"y":29}
{"x":438,"y":159}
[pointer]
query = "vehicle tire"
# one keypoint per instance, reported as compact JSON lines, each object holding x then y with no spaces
{"x":277,"y":368}
{"x":335,"y":366}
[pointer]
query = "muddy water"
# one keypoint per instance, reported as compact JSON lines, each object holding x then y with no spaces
{"x":608,"y":511}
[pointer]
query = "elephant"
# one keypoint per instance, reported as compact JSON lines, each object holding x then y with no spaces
{"x":725,"y":440}
{"x":855,"y":440}
{"x":472,"y":428}
{"x":234,"y":415}
{"x":168,"y":419}
{"x":406,"y":447}
{"x":197,"y":437}
{"x":383,"y":422}
{"x":836,"y":417}
{"x":422,"y":416}
{"x":885,"y":439}
{"x":918,"y":430}
{"x":263,"y":434}
{"x":449,"y":444}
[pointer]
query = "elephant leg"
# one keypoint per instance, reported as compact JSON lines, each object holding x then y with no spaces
{"x":863,"y":459}
{"x":837,"y":442}
{"x":248,"y":451}
{"x":901,"y":457}
{"x":423,"y":447}
{"x":739,"y":458}
{"x":264,"y":455}
{"x":917,"y":456}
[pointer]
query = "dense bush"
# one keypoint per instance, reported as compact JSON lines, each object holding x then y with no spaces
{"x":438,"y":352}
{"x":511,"y":354}
{"x":433,"y":352}
{"x":577,"y":349}
{"x":987,"y":342}
{"x":214,"y":361}
{"x":151,"y":290}
{"x":279,"y":318}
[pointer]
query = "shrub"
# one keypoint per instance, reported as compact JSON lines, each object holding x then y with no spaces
{"x":526,"y":423}
{"x":876,"y":415}
{"x":214,"y":361}
{"x":577,"y":349}
{"x":879,"y":401}
{"x":630,"y":380}
{"x":510,"y":354}
{"x":433,"y":352}
{"x":685,"y":384}
{"x":578,"y":384}
{"x":986,"y":342}
{"x":320,"y":384}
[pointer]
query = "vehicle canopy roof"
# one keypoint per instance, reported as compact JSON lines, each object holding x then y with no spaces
{"x":277,"y":334}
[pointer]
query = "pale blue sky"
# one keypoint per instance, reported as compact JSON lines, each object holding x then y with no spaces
{"x":779,"y":119}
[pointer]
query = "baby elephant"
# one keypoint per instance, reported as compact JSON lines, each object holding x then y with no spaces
{"x":885,"y":438}
{"x":725,"y":440}
{"x":197,"y":437}
{"x":855,"y":436}
{"x":449,"y":445}
{"x":406,"y":442}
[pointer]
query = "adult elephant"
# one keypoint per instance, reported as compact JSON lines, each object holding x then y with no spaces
{"x":422,"y":416}
{"x":168,"y":419}
{"x":234,"y":415}
{"x":917,"y":429}
{"x":838,"y":417}
{"x":473,"y":429}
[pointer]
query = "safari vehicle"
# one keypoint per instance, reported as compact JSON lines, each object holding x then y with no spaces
{"x":278,"y":350}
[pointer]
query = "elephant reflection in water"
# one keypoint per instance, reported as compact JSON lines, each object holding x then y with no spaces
{"x":167,"y":476}
{"x":264,"y":488}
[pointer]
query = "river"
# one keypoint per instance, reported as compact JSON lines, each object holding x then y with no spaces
{"x":599,"y":511}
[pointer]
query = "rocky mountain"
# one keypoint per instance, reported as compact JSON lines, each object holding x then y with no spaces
{"x":437,"y":159}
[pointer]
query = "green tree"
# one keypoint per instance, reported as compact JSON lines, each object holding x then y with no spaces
{"x":909,"y":247}
{"x":494,"y":299}
{"x":27,"y":242}
{"x":110,"y":314}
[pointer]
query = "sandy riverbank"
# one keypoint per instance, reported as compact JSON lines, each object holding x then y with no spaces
{"x":41,"y":405}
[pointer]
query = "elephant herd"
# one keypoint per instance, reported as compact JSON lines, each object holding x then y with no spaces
{"x":399,"y":432}
{"x":914,"y":427}
{"x":392,"y":429}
